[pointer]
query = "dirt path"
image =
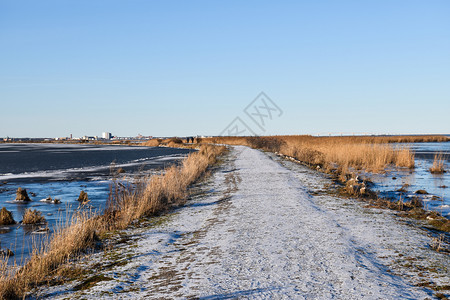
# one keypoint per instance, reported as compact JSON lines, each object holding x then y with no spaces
{"x":259,"y":233}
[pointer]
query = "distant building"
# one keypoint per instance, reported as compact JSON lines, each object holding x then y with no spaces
{"x":89,"y":138}
{"x":106,"y":135}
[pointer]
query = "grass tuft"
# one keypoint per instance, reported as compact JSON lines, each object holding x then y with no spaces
{"x":6,"y":217}
{"x":438,"y":164}
{"x":33,"y":217}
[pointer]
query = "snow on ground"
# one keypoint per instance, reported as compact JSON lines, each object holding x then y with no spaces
{"x":262,"y":229}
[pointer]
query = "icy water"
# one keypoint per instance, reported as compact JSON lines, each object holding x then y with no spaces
{"x":62,"y":171}
{"x":420,"y":178}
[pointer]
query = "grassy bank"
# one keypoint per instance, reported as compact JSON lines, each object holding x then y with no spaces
{"x":127,"y":203}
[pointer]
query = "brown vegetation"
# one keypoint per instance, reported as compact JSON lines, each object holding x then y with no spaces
{"x":22,"y":195}
{"x":438,"y":164}
{"x":176,"y":140}
{"x":6,"y":217}
{"x":344,"y":157}
{"x":160,"y":192}
{"x":153,"y":143}
{"x":83,"y":197}
{"x":147,"y":197}
{"x":339,"y":154}
{"x":32,"y":217}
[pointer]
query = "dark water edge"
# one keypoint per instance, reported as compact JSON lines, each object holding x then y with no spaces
{"x":62,"y":171}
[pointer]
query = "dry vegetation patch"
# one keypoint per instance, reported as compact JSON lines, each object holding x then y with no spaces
{"x":6,"y":217}
{"x":32,"y":217}
{"x":339,"y":154}
{"x":438,"y":164}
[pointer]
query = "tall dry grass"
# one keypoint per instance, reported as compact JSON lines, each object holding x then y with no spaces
{"x":372,"y":154}
{"x":32,"y":217}
{"x":66,"y":243}
{"x":438,"y":164}
{"x":160,"y":192}
{"x":129,"y":202}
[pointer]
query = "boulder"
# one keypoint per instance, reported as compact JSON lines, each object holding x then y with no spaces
{"x":50,"y":200}
{"x":6,"y":252}
{"x":421,"y":192}
{"x":22,"y":195}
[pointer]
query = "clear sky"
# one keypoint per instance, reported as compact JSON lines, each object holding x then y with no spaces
{"x":190,"y":67}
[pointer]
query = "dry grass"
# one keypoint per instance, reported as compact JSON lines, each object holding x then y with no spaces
{"x":66,"y":243}
{"x":22,"y":195}
{"x":6,"y":217}
{"x":146,"y":197}
{"x":160,"y":192}
{"x":32,"y":217}
{"x":372,"y":154}
{"x":153,"y":143}
{"x":438,"y":164}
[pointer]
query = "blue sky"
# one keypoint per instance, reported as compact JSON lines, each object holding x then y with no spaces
{"x":190,"y":67}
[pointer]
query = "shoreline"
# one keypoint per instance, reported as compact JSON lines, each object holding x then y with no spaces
{"x":82,"y":232}
{"x":371,"y":196}
{"x":378,"y":236}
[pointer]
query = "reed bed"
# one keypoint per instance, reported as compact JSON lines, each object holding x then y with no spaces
{"x":127,"y":202}
{"x":372,"y":154}
{"x":438,"y":164}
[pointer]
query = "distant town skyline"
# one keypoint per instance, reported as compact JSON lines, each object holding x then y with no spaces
{"x":190,"y":68}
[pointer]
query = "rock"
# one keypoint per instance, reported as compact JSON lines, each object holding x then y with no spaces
{"x":22,"y":195}
{"x":421,"y":192}
{"x":6,"y":252}
{"x":83,"y":198}
{"x":6,"y":217}
{"x":41,"y":230}
{"x":50,"y":200}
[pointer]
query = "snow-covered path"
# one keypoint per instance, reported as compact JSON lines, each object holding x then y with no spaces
{"x":257,"y":234}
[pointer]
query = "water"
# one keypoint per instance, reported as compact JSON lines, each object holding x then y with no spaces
{"x":62,"y":171}
{"x":420,"y":178}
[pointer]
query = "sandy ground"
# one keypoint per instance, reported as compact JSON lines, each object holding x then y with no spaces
{"x":265,"y":228}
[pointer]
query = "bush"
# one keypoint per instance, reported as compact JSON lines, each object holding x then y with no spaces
{"x":266,"y":143}
{"x":6,"y":217}
{"x":153,"y":143}
{"x":176,"y":141}
{"x":22,"y":195}
{"x":83,"y":197}
{"x":33,"y":217}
